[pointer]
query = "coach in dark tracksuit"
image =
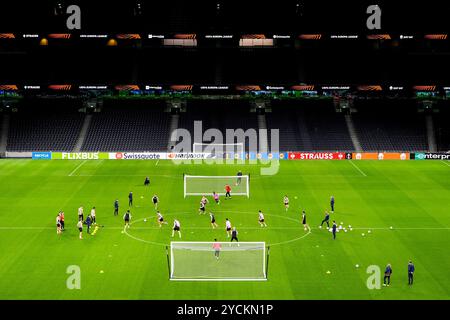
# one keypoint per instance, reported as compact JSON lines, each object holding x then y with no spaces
{"x":116,"y":207}
{"x":88,"y":223}
{"x":411,"y":270}
{"x":334,"y":227}
{"x":130,"y":199}
{"x":387,"y":275}
{"x":234,"y":235}
{"x":326,"y":219}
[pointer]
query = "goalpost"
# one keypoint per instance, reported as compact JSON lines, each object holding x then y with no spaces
{"x":201,"y":185}
{"x":219,"y":149}
{"x":197,"y":261}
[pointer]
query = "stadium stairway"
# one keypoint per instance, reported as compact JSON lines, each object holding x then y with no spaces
{"x":352,"y":132}
{"x":174,"y":121}
{"x":431,"y":133}
{"x":4,"y":133}
{"x":83,"y":133}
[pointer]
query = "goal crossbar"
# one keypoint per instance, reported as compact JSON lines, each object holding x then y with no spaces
{"x":199,"y":189}
{"x":237,"y":148}
{"x":208,"y":254}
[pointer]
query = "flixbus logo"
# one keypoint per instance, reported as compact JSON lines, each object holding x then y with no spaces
{"x":80,"y":155}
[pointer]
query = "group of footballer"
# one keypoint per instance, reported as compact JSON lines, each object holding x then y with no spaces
{"x":231,"y":231}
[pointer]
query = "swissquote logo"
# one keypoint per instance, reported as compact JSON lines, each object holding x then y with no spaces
{"x":119,"y":155}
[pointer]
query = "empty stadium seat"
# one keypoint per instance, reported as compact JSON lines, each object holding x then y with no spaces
{"x":306,"y":126}
{"x":383,"y":127}
{"x":44,"y":131}
{"x":129,"y":128}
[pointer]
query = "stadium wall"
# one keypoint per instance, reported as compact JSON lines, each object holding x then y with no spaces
{"x":39,"y":155}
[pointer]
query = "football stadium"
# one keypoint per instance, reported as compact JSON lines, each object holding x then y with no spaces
{"x":202,"y":150}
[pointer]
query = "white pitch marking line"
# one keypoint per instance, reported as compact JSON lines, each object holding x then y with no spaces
{"x":447,"y":164}
{"x":357,"y":168}
{"x":157,"y":161}
{"x":128,"y":175}
{"x":241,"y":228}
{"x":78,"y":167}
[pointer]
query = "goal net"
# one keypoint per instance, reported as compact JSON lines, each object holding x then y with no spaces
{"x":206,"y":185}
{"x":219,"y":150}
{"x":199,"y":261}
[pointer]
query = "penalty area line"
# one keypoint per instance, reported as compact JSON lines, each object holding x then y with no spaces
{"x":446,"y":163}
{"x":357,"y":168}
{"x":78,"y":167}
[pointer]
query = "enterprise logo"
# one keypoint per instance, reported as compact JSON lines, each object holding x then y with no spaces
{"x":432,"y":156}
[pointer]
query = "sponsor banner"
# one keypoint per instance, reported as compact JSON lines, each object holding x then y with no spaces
{"x":380,"y":156}
{"x":264,"y":156}
{"x":189,"y":156}
{"x":316,"y":155}
{"x":80,"y":155}
{"x":430,"y":156}
{"x":251,"y":156}
{"x":394,"y":156}
{"x":271,"y":156}
{"x":137,"y":155}
{"x":365,"y":156}
{"x":9,"y":154}
{"x":236,"y":156}
{"x":41,"y":155}
{"x":284,"y":156}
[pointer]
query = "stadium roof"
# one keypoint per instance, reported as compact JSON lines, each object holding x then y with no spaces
{"x":172,"y":42}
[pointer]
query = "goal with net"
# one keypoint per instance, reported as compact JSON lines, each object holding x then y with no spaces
{"x":201,"y":185}
{"x":219,"y":150}
{"x":217,"y":261}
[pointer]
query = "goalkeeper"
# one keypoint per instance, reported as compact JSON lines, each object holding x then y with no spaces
{"x":239,"y":179}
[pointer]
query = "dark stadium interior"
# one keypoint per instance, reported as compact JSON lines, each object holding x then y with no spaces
{"x":321,"y":62}
{"x":55,"y":121}
{"x":203,"y":15}
{"x":381,"y":125}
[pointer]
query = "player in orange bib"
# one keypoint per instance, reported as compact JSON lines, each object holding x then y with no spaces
{"x":227,"y":191}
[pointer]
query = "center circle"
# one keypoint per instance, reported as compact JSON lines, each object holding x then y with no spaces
{"x":168,"y":228}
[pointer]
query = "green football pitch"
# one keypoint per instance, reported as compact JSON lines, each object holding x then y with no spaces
{"x":412,"y":197}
